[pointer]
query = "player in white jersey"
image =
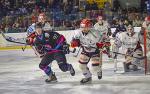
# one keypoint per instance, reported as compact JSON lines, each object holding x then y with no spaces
{"x":103,"y":27}
{"x":130,"y":42}
{"x":88,"y":38}
{"x":42,"y":19}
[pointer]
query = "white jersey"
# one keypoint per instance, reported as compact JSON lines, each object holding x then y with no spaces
{"x":89,"y":40}
{"x":46,"y":27}
{"x":127,"y":41}
{"x":31,"y":29}
{"x":102,"y":28}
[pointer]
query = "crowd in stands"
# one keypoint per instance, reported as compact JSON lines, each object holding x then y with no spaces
{"x":63,"y":15}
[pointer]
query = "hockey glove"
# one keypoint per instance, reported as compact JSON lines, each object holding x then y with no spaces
{"x":75,"y":43}
{"x":100,"y":45}
{"x":30,"y":41}
{"x":30,"y":38}
{"x":107,"y":44}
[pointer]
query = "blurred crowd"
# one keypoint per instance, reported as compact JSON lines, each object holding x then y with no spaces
{"x":64,"y":14}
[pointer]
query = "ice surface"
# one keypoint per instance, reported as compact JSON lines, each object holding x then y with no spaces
{"x":19,"y":74}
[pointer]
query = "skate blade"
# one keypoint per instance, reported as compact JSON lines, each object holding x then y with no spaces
{"x":99,"y":78}
{"x":72,"y":73}
{"x":51,"y":81}
{"x":119,"y":72}
{"x":90,"y":82}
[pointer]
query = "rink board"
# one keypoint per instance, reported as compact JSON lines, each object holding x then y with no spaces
{"x":68,"y":35}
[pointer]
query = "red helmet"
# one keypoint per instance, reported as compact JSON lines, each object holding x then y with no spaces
{"x":147,"y":18}
{"x":85,"y":23}
{"x":42,"y":14}
{"x":41,"y":17}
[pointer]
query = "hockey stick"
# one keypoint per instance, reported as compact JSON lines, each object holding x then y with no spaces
{"x":11,"y":39}
{"x":25,"y":46}
{"x":73,"y":51}
{"x":122,"y":54}
{"x":128,"y":55}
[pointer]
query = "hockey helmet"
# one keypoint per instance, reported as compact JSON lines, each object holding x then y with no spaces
{"x":130,"y":29}
{"x":147,"y":18}
{"x":85,"y":23}
{"x":41,"y":17}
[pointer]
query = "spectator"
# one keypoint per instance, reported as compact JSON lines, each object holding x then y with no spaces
{"x":137,"y":22}
{"x":116,"y":5}
{"x":120,"y":28}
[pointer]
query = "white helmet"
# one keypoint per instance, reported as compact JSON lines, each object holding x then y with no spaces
{"x":130,"y":30}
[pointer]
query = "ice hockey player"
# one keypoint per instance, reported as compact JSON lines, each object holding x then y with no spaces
{"x":130,"y":41}
{"x":31,"y":29}
{"x":45,"y":25}
{"x":88,"y":38}
{"x":103,"y":27}
{"x":53,"y":46}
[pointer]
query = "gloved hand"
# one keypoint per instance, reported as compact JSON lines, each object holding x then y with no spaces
{"x":107,"y":53}
{"x":32,"y":35}
{"x":30,"y":38}
{"x":75,"y":43}
{"x":100,"y":45}
{"x":107,"y":44}
{"x":30,"y":41}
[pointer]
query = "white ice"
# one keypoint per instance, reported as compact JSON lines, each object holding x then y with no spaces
{"x":20,"y":74}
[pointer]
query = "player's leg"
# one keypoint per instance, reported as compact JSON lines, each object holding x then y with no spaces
{"x":62,"y":63}
{"x":44,"y":65}
{"x":128,"y":60}
{"x":83,"y":61}
{"x":97,"y":64}
{"x":137,"y":62}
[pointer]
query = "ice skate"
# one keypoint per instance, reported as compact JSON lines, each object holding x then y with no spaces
{"x":126,"y":67}
{"x":71,"y":69}
{"x":99,"y":75}
{"x":86,"y":80}
{"x":51,"y":79}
